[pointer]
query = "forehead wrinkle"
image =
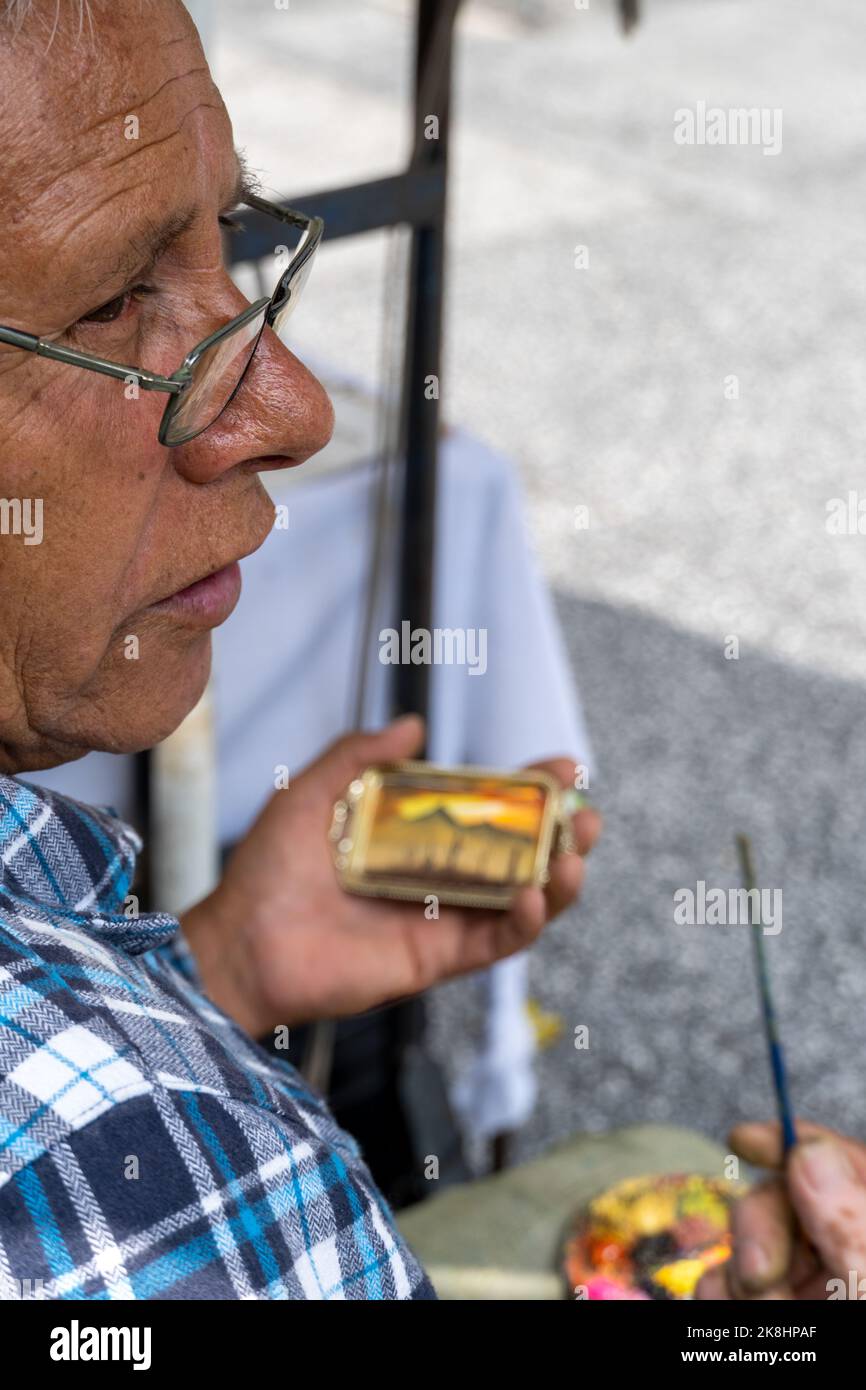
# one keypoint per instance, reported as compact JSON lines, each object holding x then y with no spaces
{"x":49,"y":182}
{"x":69,"y":202}
{"x":96,"y":208}
{"x":145,"y":247}
{"x":155,"y":144}
{"x":134,"y":104}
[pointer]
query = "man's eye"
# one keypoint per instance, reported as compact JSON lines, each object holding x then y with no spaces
{"x":116,"y":308}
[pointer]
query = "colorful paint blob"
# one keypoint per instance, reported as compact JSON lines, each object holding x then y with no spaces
{"x":650,"y":1238}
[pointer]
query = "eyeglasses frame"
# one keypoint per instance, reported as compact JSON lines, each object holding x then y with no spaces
{"x":180,"y":381}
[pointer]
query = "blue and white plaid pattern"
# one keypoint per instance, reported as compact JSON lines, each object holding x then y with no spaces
{"x":148,"y":1147}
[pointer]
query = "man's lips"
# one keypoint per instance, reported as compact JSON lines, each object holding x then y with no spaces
{"x":207,"y":602}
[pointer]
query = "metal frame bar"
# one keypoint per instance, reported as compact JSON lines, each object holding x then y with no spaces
{"x":420,"y":412}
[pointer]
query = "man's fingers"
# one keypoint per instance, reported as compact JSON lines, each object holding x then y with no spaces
{"x":587,"y":822}
{"x":587,"y":828}
{"x":825,"y":1178}
{"x":348,"y":757}
{"x":713,"y":1286}
{"x":562,"y":770}
{"x":478,"y":939}
{"x":524,"y":922}
{"x":468,"y":939}
{"x":564,"y":884}
{"x":829,"y":1196}
{"x":763,"y":1240}
{"x":761,"y":1144}
{"x":805,"y":1264}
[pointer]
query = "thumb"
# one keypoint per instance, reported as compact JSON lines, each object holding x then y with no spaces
{"x":348,"y":757}
{"x":829,"y":1198}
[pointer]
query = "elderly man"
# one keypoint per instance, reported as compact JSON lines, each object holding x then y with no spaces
{"x":148,"y":1148}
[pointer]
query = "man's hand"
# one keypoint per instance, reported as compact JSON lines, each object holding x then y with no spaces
{"x":796,"y":1232}
{"x":279,"y":942}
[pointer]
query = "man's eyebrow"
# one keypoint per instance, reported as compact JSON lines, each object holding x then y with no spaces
{"x":245,"y":183}
{"x":147,"y":247}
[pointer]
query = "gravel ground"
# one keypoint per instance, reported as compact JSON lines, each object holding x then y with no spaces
{"x":706,"y":513}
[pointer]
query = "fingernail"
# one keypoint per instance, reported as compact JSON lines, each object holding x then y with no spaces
{"x":824,"y":1165}
{"x":754,"y":1263}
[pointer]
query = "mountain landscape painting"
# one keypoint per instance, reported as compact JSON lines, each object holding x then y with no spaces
{"x":484,"y":832}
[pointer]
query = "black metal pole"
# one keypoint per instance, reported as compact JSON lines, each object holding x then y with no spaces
{"x":422,"y":374}
{"x":422,"y":1091}
{"x":404,"y":1088}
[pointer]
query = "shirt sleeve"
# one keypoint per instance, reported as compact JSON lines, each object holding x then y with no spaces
{"x":191,"y":1195}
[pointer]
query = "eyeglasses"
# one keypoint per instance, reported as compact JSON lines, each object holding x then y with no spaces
{"x":210,"y":376}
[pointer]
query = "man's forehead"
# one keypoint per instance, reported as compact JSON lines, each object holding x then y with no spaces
{"x":92,"y":148}
{"x":66,"y":107}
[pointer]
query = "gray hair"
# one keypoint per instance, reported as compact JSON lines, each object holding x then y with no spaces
{"x":13,"y":14}
{"x":16,"y":11}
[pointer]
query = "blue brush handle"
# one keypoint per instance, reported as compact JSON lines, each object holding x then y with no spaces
{"x":780,"y":1080}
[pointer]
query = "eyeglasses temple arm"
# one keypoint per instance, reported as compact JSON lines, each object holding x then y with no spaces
{"x":295,"y":219}
{"x":148,"y":381}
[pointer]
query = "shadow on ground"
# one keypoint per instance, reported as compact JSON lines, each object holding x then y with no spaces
{"x":690,"y":748}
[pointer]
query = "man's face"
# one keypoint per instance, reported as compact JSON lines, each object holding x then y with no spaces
{"x":98,"y":646}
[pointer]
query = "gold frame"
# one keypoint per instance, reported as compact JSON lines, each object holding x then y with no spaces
{"x":354,"y":817}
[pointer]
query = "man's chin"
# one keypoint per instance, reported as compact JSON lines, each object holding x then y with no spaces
{"x":145,"y":703}
{"x":162,"y":705}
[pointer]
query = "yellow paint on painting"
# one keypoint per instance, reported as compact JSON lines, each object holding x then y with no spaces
{"x":519,"y":814}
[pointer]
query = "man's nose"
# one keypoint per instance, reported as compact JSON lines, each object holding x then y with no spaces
{"x":280,"y":411}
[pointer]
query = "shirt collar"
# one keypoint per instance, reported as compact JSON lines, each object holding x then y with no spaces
{"x":72,"y":864}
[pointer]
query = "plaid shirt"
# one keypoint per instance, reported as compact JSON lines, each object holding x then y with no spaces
{"x":148,"y":1147}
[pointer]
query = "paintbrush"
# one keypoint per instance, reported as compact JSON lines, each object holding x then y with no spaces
{"x":777,"y":1055}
